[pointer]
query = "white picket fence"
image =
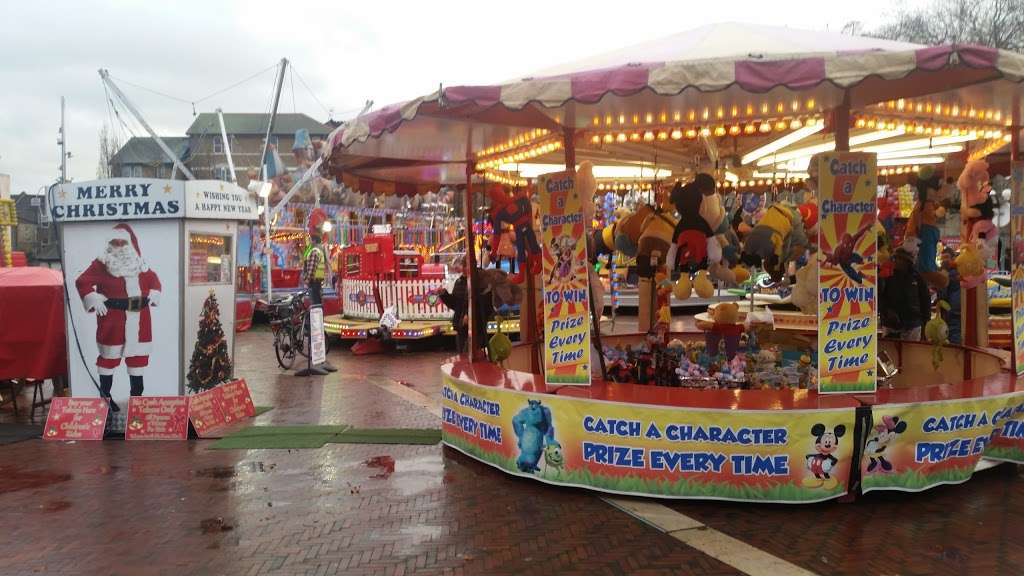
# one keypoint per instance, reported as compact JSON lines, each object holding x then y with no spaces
{"x":415,"y":299}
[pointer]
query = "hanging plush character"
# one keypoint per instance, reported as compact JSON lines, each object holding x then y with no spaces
{"x":923,"y":224}
{"x":776,"y":239}
{"x":977,"y":211}
{"x":627,"y":232}
{"x":692,"y":231}
{"x":518,"y":211}
{"x":586,"y":185}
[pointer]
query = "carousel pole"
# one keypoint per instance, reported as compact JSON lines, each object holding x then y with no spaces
{"x":1014,"y":159}
{"x":475,"y":340}
{"x":841,"y":121}
{"x":569,"y":145}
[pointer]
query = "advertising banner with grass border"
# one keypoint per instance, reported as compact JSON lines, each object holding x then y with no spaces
{"x":1008,"y":444}
{"x":913,"y":447}
{"x":784,"y":456}
{"x":847,"y":273}
{"x":566,"y":281}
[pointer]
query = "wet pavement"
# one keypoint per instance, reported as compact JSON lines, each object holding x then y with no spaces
{"x":116,"y":507}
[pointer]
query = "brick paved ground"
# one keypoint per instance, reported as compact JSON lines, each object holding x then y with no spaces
{"x":178,"y":508}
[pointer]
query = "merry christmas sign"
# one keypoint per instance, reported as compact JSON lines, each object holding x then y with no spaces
{"x":847,"y":273}
{"x":157,"y":418}
{"x":76,"y":419}
{"x":565,"y":281}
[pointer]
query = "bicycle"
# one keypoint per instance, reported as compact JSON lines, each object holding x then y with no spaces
{"x":290,"y":328}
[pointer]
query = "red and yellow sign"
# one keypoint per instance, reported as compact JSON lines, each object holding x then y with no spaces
{"x":211,"y":411}
{"x":157,"y":418}
{"x":913,"y":447}
{"x":847,"y":273}
{"x":76,"y":419}
{"x":566,"y":283}
{"x":789,"y":456}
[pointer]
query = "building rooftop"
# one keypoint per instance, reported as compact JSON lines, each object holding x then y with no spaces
{"x":256,"y":124}
{"x":144,"y":150}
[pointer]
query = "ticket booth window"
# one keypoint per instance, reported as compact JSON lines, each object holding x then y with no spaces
{"x":209,"y":259}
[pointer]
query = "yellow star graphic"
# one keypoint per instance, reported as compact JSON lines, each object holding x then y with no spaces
{"x":167,"y":188}
{"x":63,"y":194}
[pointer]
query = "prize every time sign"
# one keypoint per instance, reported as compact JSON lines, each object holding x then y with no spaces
{"x":140,"y":199}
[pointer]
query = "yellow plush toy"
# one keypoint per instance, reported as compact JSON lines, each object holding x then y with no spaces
{"x":702,"y":285}
{"x":970,"y":264}
{"x":726,"y":313}
{"x":683,"y":288}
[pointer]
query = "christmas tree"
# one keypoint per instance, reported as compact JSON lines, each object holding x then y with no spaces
{"x":210,"y":364}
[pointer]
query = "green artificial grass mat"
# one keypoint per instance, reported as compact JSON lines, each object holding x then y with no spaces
{"x":418,"y":436}
{"x":263,"y":410}
{"x":276,"y":441}
{"x":291,"y":430}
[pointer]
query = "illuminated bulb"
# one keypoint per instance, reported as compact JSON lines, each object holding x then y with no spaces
{"x":691,"y":133}
{"x":861,"y":123}
{"x":705,"y":132}
{"x":955,"y":111}
{"x":749,"y":129}
{"x":764,"y":108}
{"x":1007,"y":137}
{"x":765,"y":127}
{"x":662,"y":135}
{"x":622,"y":118}
{"x":900,"y":104}
{"x":734,"y":130}
{"x":648,"y":136}
{"x":972,"y":113}
{"x":918,"y":129}
{"x":635,"y":137}
{"x":781,"y":125}
{"x":677,"y":134}
{"x":750,"y":109}
{"x":608,"y":120}
{"x":720,"y":131}
{"x":741,"y":184}
{"x":734,"y":111}
{"x":705,"y":114}
{"x":608,"y":138}
{"x":720,"y":113}
{"x":692,"y":115}
{"x":649,"y":118}
{"x":928,"y":108}
{"x":915,"y":168}
{"x":663,"y":117}
{"x":870,"y":123}
{"x":810,"y":104}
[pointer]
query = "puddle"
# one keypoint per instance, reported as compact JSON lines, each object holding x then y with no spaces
{"x":218,"y":472}
{"x":15,"y":480}
{"x":55,"y":506}
{"x":386,"y":464}
{"x":215,"y":525}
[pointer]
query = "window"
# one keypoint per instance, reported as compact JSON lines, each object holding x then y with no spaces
{"x":209,"y":259}
{"x":126,"y":171}
{"x":352,"y":265}
{"x":218,"y":146}
{"x":221,"y":172}
{"x":136,"y":171}
{"x":164,"y":171}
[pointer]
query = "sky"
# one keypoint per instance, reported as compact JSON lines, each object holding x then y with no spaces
{"x":345,"y":52}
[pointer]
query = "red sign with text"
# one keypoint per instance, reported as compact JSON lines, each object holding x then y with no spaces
{"x":76,"y":419}
{"x":220,"y":407}
{"x":235,"y":401}
{"x":157,"y":418}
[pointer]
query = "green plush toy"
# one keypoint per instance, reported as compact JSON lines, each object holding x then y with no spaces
{"x":499,"y":347}
{"x":937,"y":332}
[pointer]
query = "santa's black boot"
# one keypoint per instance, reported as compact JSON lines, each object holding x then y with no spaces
{"x":106,"y":383}
{"x":136,"y":382}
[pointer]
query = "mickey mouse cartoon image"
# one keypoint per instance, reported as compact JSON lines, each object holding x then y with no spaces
{"x":884,"y":434}
{"x":822,"y":462}
{"x":562,"y":248}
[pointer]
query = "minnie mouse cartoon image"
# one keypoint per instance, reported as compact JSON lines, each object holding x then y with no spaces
{"x":822,"y":462}
{"x":562,"y":248}
{"x":884,"y":434}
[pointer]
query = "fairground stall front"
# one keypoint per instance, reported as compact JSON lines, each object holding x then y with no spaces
{"x":809,"y":137}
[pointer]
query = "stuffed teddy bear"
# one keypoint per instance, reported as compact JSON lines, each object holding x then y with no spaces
{"x":775,"y":240}
{"x":629,"y":228}
{"x":923,"y":224}
{"x":516,"y":209}
{"x":977,"y":208}
{"x":726,"y":327}
{"x":805,"y":292}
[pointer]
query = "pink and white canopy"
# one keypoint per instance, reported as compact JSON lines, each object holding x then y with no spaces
{"x":714,"y":68}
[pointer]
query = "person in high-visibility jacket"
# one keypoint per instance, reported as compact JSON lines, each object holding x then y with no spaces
{"x":315,"y":269}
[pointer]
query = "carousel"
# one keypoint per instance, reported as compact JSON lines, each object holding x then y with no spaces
{"x":756,"y":174}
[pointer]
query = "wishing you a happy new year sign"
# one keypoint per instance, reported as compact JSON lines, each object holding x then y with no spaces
{"x":847,"y":273}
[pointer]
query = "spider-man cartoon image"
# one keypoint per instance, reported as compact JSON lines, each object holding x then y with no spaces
{"x":844,"y":256}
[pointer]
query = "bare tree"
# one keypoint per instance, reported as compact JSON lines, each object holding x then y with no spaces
{"x":994,"y":23}
{"x":109,"y":145}
{"x":853,"y":28}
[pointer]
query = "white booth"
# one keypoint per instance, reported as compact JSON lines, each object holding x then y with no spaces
{"x":149,"y":266}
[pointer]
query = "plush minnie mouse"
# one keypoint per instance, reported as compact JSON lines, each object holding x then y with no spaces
{"x":976,"y":212}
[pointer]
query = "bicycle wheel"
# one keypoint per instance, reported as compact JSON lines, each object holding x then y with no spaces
{"x":302,"y":345}
{"x":283,"y":349}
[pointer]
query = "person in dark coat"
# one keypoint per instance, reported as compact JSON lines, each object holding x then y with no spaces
{"x":458,"y":302}
{"x":951,"y":294}
{"x":904,"y":303}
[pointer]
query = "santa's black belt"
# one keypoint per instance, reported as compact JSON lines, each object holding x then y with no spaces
{"x":133,"y":304}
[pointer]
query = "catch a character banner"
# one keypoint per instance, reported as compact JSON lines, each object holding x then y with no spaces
{"x":789,"y":456}
{"x":913,"y":447}
{"x":847,"y":273}
{"x":566,"y":282}
{"x":1017,"y":274}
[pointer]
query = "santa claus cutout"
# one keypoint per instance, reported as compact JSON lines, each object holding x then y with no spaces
{"x":120,"y":288}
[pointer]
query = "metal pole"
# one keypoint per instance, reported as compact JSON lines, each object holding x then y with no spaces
{"x":105,"y":76}
{"x":63,"y":145}
{"x":227,"y":146}
{"x":268,"y":251}
{"x":842,"y":124}
{"x":475,"y":340}
{"x":1014,"y":159}
{"x":273,"y":116}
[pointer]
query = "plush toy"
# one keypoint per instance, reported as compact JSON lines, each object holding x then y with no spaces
{"x":702,"y":285}
{"x":700,"y":213}
{"x":937,"y":332}
{"x":518,"y":211}
{"x":923,"y":225}
{"x":654,"y":242}
{"x":805,"y":292}
{"x":971,"y":266}
{"x":534,"y":428}
{"x":977,"y":208}
{"x":627,"y":232}
{"x":499,"y":347}
{"x":586,"y":186}
{"x":776,"y":239}
{"x":726,"y":327}
{"x":683,"y":287}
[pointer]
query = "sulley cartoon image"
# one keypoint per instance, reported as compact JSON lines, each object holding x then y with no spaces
{"x":822,"y":463}
{"x":534,"y":430}
{"x":884,"y":434}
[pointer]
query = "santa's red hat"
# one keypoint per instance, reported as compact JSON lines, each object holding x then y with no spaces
{"x":124,"y":232}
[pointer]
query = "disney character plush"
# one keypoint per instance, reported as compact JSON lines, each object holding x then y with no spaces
{"x":627,"y":232}
{"x":586,"y":186}
{"x":923,"y":224}
{"x":937,"y":332}
{"x":516,"y":209}
{"x":976,"y":213}
{"x":726,"y":327}
{"x":693,"y":229}
{"x":534,"y":429}
{"x":655,"y":242}
{"x":971,"y":266}
{"x":805,"y":292}
{"x":775,"y":240}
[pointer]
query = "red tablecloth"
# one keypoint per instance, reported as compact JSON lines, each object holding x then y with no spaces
{"x":32,"y":343}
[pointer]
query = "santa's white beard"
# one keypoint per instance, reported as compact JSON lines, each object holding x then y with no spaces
{"x":122,"y":261}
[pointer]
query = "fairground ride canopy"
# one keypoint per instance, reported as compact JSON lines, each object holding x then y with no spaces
{"x":757,"y":100}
